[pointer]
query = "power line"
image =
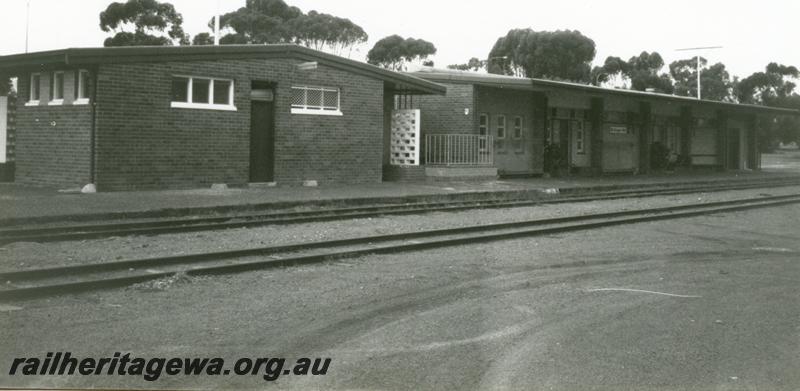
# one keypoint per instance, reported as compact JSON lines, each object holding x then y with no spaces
{"x":703,"y":47}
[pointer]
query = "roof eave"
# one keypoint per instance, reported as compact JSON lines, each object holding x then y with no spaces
{"x":541,"y":85}
{"x":88,"y":56}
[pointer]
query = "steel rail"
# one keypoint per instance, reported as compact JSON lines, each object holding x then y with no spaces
{"x":204,"y":263}
{"x":149,"y":228}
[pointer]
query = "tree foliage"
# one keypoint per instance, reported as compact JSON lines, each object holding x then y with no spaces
{"x":150,"y":21}
{"x":274,"y":21}
{"x":6,"y":87}
{"x":394,"y":52}
{"x":559,"y":55}
{"x":320,"y":31}
{"x":715,"y":82}
{"x":773,"y":87}
{"x":203,"y":39}
{"x":770,"y":87}
{"x":642,"y":72}
{"x":474,"y":64}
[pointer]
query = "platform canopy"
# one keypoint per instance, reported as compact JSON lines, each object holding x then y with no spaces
{"x":543,"y":85}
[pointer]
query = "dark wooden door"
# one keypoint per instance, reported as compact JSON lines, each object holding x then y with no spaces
{"x":262,"y":141}
{"x":733,"y":149}
{"x":563,"y":142}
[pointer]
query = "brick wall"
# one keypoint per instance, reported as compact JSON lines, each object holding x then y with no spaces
{"x":569,"y":99}
{"x":144,"y":143}
{"x":523,"y":156}
{"x":666,"y":108}
{"x":621,"y":103}
{"x":11,"y":128}
{"x":445,"y":113}
{"x":404,"y":173}
{"x":52,"y":141}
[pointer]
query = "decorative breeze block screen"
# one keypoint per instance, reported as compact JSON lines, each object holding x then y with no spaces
{"x":405,"y":141}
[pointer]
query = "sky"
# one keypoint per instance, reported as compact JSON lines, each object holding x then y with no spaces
{"x":752,"y":33}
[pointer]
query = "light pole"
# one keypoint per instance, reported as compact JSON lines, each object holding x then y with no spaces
{"x":698,"y":63}
{"x":216,"y":26}
{"x":27,"y":23}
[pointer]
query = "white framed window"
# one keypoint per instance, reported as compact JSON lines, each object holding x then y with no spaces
{"x":483,"y":124}
{"x":81,"y":87}
{"x":501,"y":126}
{"x":57,"y":88}
{"x":517,"y":128}
{"x":34,"y":90}
{"x":579,"y":138}
{"x":483,"y":131}
{"x":190,"y":92}
{"x":316,"y":100}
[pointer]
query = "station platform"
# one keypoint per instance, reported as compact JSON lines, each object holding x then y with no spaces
{"x":23,"y":204}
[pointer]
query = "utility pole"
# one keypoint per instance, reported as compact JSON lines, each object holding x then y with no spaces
{"x":698,"y":63}
{"x":27,"y":23}
{"x":216,"y":25}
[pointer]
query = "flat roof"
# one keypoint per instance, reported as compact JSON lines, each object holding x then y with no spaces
{"x":86,"y":56}
{"x":542,"y":85}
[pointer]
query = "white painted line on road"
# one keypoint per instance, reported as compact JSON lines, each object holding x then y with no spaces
{"x":7,"y":308}
{"x":447,"y":344}
{"x":641,"y":291}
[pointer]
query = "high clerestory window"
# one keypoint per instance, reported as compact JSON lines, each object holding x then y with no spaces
{"x":57,"y":88}
{"x":33,"y":95}
{"x":81,"y":87}
{"x":316,"y":100}
{"x":190,"y":92}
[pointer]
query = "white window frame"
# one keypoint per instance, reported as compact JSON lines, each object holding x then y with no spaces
{"x":483,"y":131}
{"x":518,"y":128}
{"x":79,"y":98}
{"x":204,"y":106}
{"x":504,"y":127}
{"x":317,"y":110}
{"x":31,"y":101}
{"x":580,"y":138}
{"x":53,"y":99}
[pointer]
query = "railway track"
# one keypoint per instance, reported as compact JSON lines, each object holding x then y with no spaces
{"x":164,"y":226}
{"x":72,"y":279}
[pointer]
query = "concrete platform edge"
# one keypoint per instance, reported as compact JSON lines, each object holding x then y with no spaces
{"x":524,"y":194}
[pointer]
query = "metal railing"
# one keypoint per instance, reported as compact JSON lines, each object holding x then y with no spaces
{"x":458,"y":150}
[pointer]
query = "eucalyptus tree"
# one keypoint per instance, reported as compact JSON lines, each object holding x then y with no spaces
{"x":142,"y":22}
{"x":395,"y":52}
{"x":558,"y":55}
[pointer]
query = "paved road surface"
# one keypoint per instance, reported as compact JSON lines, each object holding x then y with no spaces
{"x":701,"y":303}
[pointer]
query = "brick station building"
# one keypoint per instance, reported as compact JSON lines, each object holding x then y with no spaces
{"x":590,"y":130}
{"x":180,"y":117}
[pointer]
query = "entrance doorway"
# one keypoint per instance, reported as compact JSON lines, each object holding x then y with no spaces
{"x":733,"y":149}
{"x":262,"y":133}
